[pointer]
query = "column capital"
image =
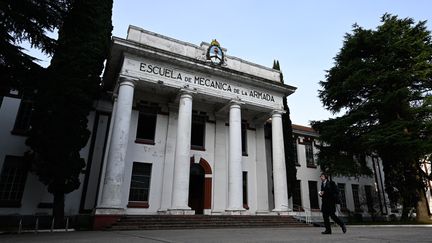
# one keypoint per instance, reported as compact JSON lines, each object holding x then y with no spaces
{"x":187,"y":91}
{"x":236,"y":102}
{"x":277,"y":112}
{"x":127,"y":81}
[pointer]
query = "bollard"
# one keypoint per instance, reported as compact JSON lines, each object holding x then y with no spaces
{"x":20,"y":226}
{"x":67,"y":224}
{"x":37,"y":225}
{"x":52,"y":224}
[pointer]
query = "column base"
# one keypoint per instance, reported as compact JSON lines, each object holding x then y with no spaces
{"x":235,"y":211}
{"x":262,"y":212}
{"x":105,"y":217}
{"x":162,"y":211}
{"x":281,"y":211}
{"x":218,"y":212}
{"x":180,"y":211}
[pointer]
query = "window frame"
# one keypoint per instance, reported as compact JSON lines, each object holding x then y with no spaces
{"x":201,"y":120}
{"x":297,"y":197}
{"x":244,"y":137}
{"x":309,"y":154}
{"x":295,"y":152}
{"x":245,"y":189}
{"x":22,"y":123}
{"x":369,"y":198}
{"x":20,"y":174}
{"x":132,"y":202}
{"x":145,"y":113}
{"x":342,"y":193}
{"x":356,"y":197}
{"x":313,"y":195}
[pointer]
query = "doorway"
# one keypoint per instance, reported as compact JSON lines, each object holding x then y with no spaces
{"x":196,"y":188}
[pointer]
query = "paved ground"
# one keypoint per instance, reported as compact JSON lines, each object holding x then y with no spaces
{"x":367,"y":234}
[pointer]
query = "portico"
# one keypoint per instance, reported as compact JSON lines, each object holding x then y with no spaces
{"x":230,"y":102}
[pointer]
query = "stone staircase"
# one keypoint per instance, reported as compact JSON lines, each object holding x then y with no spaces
{"x":161,"y":222}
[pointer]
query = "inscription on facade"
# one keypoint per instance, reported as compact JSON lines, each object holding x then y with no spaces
{"x":202,"y":81}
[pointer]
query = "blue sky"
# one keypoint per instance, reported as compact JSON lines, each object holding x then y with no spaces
{"x":304,"y":35}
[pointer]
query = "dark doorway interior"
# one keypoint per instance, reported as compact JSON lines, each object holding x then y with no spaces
{"x":196,"y":188}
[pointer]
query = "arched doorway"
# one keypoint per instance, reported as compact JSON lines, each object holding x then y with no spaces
{"x":196,"y":188}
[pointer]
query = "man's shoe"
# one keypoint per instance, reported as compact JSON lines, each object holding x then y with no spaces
{"x":326,"y":232}
{"x":344,"y":229}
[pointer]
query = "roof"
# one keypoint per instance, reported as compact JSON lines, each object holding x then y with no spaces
{"x":304,"y":130}
{"x":141,"y":42}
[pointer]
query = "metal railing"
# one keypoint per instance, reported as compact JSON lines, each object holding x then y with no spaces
{"x":36,"y":229}
{"x":305,"y":214}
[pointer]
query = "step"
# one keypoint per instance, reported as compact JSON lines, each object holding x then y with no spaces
{"x":148,"y":222}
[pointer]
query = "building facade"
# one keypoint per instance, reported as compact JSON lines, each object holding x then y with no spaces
{"x":188,"y":128}
{"x":184,"y":129}
{"x":362,"y":197}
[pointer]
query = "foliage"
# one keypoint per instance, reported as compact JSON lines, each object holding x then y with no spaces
{"x":382,"y":80}
{"x":26,"y":20}
{"x":291,"y":169}
{"x":64,"y":100}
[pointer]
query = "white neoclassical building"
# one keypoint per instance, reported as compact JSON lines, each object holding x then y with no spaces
{"x":187,"y":131}
{"x":182,"y":129}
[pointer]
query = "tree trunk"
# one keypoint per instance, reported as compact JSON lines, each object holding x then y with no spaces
{"x":405,"y":211}
{"x":58,"y":210}
{"x":422,"y":210}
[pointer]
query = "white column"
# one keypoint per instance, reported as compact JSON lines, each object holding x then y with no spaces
{"x":168,"y":164}
{"x":108,"y":144}
{"x":179,"y":203}
{"x":235,"y":187}
{"x":112,"y":188}
{"x":261,"y":171}
{"x":279,"y":172}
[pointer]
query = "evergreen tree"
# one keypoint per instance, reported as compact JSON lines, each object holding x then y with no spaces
{"x":382,"y":79}
{"x":64,"y":100}
{"x":291,"y":169}
{"x":26,"y":20}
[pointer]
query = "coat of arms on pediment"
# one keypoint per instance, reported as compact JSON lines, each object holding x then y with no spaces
{"x":215,"y":53}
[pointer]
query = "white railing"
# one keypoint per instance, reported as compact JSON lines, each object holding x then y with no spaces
{"x":305,"y":214}
{"x":38,"y":229}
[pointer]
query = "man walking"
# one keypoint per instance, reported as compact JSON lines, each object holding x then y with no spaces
{"x":329,"y":196}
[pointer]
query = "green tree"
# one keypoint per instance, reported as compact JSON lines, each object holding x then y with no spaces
{"x":291,"y":169}
{"x":26,"y":20}
{"x":65,"y":98}
{"x":382,"y":81}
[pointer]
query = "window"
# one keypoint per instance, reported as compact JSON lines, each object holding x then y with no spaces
{"x":341,"y":187}
{"x":267,"y":131}
{"x":294,"y":149}
{"x":313,"y":194}
{"x":244,"y":138}
{"x":297,"y":202}
{"x":12,"y":181}
{"x":140,"y":182}
{"x":356,"y":198}
{"x":309,"y":154}
{"x":22,"y":122}
{"x":146,"y":125}
{"x":369,"y":198}
{"x":245,"y":190}
{"x":198,"y":132}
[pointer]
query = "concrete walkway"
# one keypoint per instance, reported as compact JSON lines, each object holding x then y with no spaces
{"x":367,"y":234}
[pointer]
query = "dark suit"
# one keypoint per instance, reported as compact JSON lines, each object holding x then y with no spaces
{"x":328,"y":207}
